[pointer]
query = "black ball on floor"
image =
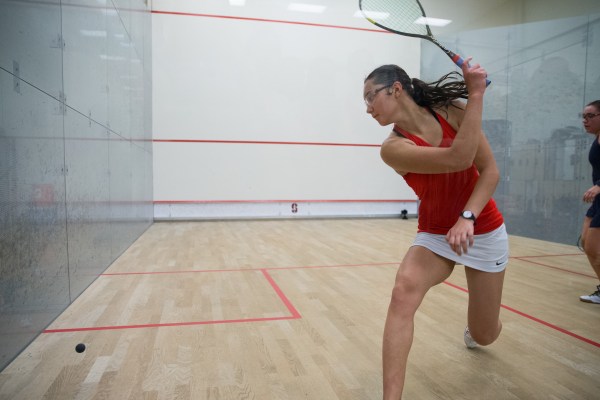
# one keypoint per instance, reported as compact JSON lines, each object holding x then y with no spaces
{"x":80,"y":348}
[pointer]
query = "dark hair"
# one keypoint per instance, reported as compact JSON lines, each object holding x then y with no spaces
{"x":595,"y":103}
{"x":433,"y":94}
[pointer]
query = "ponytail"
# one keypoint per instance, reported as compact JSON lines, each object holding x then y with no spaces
{"x":441,"y":92}
{"x":433,"y":94}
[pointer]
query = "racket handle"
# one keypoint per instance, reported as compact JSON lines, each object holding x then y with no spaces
{"x":459,"y":61}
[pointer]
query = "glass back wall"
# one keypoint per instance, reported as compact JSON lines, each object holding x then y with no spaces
{"x":542,"y":76}
{"x":75,"y":152}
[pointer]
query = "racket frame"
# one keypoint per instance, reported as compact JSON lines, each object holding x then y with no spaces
{"x":457,"y":59}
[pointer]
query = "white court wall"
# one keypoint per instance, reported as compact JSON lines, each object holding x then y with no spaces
{"x":257,"y":108}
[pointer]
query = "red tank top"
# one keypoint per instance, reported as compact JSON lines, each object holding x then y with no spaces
{"x":443,"y":196}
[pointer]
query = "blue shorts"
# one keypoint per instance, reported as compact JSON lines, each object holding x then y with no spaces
{"x":594,"y":212}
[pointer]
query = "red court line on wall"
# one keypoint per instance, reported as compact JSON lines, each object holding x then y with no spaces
{"x":264,"y":142}
{"x":279,"y":201}
{"x":539,"y":321}
{"x":278,"y":21}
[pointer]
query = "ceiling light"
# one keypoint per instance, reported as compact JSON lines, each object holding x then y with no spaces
{"x":237,"y":2}
{"x":111,"y":58}
{"x":312,"y":8}
{"x":85,"y":32}
{"x":432,"y":21}
{"x":374,"y":15}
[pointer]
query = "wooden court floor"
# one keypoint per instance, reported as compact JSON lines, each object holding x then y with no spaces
{"x":294,"y":309}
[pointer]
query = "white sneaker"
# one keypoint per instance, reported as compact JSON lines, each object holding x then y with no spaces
{"x":469,"y":341}
{"x":592,"y":298}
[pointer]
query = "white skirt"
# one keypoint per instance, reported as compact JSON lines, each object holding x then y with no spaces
{"x":489,"y":252}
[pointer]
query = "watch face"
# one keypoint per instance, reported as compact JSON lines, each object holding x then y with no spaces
{"x":467,"y":214}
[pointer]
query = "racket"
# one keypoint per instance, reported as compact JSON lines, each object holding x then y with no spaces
{"x":400,"y":17}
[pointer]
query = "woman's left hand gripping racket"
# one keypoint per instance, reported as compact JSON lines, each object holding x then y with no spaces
{"x":404,"y":17}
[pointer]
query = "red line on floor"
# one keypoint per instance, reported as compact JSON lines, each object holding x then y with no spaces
{"x":557,"y":268}
{"x":194,"y":271}
{"x":294,"y":312}
{"x":117,"y":327}
{"x":189,"y":271}
{"x":333,"y":266}
{"x":282,"y":296}
{"x":456,"y":286}
{"x":551,"y":255}
{"x":548,"y":324}
{"x":558,"y":328}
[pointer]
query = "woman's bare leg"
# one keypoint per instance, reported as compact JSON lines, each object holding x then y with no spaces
{"x":590,"y":242}
{"x":591,"y":245}
{"x":419,"y":271}
{"x":485,"y":295}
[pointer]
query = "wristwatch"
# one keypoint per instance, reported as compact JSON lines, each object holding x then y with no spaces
{"x":468,"y":215}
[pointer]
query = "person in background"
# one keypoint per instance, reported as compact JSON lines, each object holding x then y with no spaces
{"x":590,"y":232}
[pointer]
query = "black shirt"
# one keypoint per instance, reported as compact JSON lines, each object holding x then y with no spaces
{"x":594,"y":158}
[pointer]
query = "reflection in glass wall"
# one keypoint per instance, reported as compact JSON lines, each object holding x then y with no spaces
{"x":542,"y":75}
{"x":75,"y":159}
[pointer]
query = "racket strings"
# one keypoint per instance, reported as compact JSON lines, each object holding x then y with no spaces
{"x":397,"y":15}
